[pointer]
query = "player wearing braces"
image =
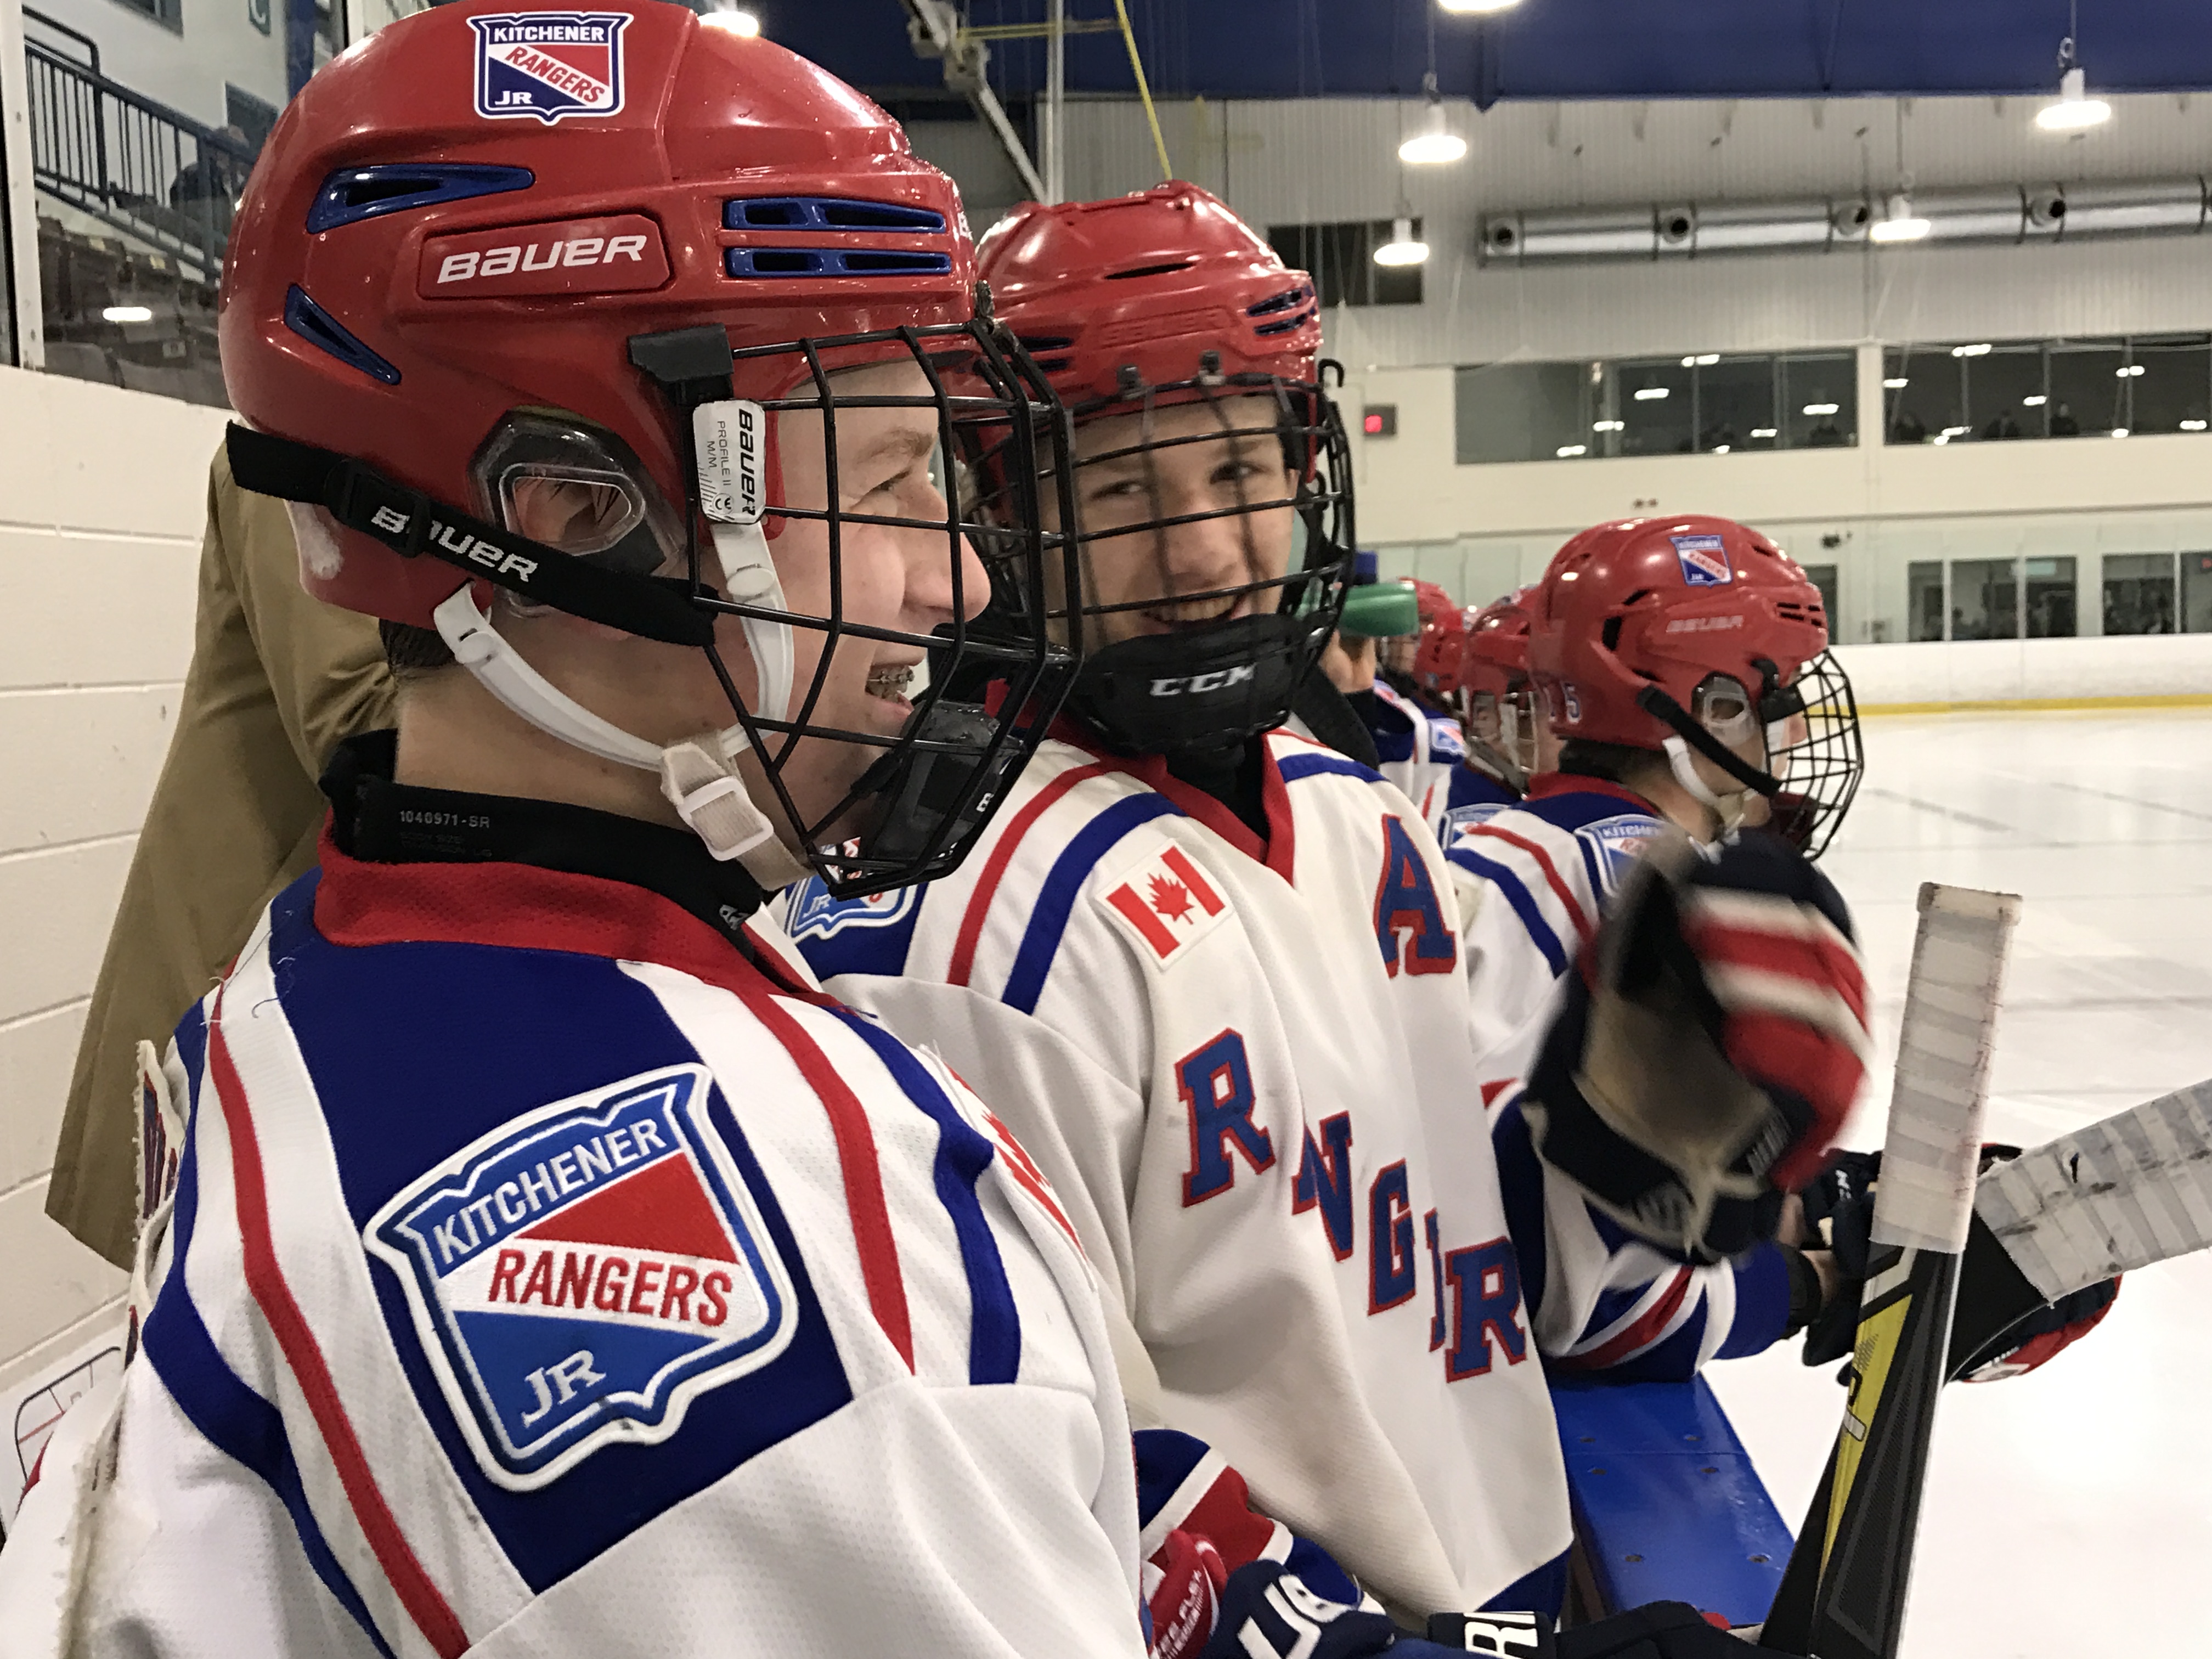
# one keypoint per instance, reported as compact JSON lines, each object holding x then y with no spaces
{"x":1210,"y":972}
{"x":553,"y":1268}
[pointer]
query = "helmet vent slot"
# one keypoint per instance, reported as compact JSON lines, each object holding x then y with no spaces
{"x":324,"y":331}
{"x":353,"y":194}
{"x":1150,"y":270}
{"x":1611,"y":632}
{"x":1288,"y":300}
{"x":834,"y":262}
{"x":1288,"y":324}
{"x":828,"y":213}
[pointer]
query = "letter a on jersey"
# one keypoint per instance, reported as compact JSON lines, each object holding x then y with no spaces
{"x":1163,"y":904}
{"x":580,"y":1274}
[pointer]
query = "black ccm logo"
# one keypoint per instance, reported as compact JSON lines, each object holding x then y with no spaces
{"x":476,"y":551}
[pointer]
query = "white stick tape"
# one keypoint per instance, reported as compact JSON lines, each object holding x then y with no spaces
{"x":1925,"y":1199}
{"x":2120,"y":1194}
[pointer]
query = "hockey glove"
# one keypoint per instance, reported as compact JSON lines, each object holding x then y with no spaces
{"x":1709,"y":1047}
{"x":1839,"y":1211}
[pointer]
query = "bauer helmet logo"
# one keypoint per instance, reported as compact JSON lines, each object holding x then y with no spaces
{"x":1704,"y":560}
{"x":549,"y":65}
{"x":617,"y":253}
{"x":729,"y":439}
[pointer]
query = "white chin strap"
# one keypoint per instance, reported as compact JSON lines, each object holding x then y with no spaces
{"x":1727,"y":808}
{"x":695,"y":774}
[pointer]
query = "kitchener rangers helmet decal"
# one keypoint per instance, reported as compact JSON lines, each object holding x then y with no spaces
{"x":580,"y":1274}
{"x":1704,"y":560}
{"x":549,"y":63}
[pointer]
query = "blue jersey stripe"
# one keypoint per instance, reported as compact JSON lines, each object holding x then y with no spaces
{"x":191,"y":1053}
{"x":1055,"y":901}
{"x":1524,"y":905}
{"x":994,"y":1325}
{"x":1307,"y":766}
{"x":236,"y":1421}
{"x":1165,"y":1458}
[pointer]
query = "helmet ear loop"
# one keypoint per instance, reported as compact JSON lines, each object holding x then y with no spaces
{"x":1688,"y":734}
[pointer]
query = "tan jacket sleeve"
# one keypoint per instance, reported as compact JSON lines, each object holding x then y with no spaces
{"x":277,"y":680}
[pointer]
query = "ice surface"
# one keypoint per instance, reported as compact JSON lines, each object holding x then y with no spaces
{"x":2076,"y":1503}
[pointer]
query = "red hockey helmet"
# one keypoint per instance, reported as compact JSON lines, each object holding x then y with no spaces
{"x":609,"y":249}
{"x":1135,"y":307}
{"x":1689,"y":634}
{"x":1495,"y":657}
{"x":1442,"y":640}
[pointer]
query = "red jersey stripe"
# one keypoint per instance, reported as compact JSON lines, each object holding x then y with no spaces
{"x":429,"y":1608}
{"x":1641,"y":1332}
{"x":1565,"y":895}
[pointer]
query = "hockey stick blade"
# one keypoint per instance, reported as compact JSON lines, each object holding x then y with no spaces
{"x":2130,"y":1191}
{"x":1843,"y":1595}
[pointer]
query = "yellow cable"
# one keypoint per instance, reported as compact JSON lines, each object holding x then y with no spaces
{"x":1121,"y":11}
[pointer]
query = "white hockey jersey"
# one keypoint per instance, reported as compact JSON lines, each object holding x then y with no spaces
{"x":1246,"y":1069}
{"x":546,"y":1279}
{"x":1532,"y":883}
{"x":1417,"y":750}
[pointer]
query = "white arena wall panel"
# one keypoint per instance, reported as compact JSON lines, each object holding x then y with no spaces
{"x":99,"y":537}
{"x":2138,"y":669}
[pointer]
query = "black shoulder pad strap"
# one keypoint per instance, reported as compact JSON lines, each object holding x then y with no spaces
{"x":411,"y":523}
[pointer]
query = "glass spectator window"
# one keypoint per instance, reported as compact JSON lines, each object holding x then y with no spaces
{"x":1924,"y":583}
{"x":2050,"y":593}
{"x":2196,"y":592}
{"x":2171,"y":381}
{"x":2138,"y":593}
{"x":2088,"y":392}
{"x":1734,"y":401}
{"x":1919,"y":393}
{"x":1985,"y":598}
{"x":1523,"y":412}
{"x":2002,"y":392}
{"x":1818,"y":393}
{"x":1658,"y":414}
{"x":1341,"y":258}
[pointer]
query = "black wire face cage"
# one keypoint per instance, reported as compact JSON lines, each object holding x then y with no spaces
{"x":1303,"y":426}
{"x":996,"y":680}
{"x":1819,"y":772}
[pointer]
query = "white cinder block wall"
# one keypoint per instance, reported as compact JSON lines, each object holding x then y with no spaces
{"x":99,"y":532}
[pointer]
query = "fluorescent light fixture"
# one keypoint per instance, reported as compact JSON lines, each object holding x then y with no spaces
{"x":1762,"y":432}
{"x":2192,"y":426}
{"x":1646,"y":394}
{"x":1822,"y":408}
{"x":2035,"y":402}
{"x":1477,"y":7}
{"x":1900,"y":224}
{"x":1981,"y":349}
{"x":1704,"y":360}
{"x":1608,"y":426}
{"x":2119,"y":432}
{"x":1956,"y":431}
{"x":737,"y":22}
{"x":1401,"y":249}
{"x":2074,"y":109}
{"x":1720,"y":449}
{"x":1434,"y":143}
{"x":1942,"y":437}
{"x":128,"y":314}
{"x":1568,"y":452}
{"x":2127,"y":372}
{"x":1898,"y":383}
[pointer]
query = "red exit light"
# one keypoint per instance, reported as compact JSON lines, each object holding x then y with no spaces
{"x":1379,"y":419}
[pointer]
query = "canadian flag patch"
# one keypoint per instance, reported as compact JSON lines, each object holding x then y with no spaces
{"x":1163,"y":904}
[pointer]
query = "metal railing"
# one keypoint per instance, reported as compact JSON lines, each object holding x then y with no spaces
{"x":136,"y":165}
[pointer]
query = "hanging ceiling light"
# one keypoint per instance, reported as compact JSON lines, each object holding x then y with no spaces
{"x":1477,"y":6}
{"x":1401,"y":249}
{"x":2074,"y":109}
{"x":1434,"y":144}
{"x":737,"y":21}
{"x":1899,"y":223}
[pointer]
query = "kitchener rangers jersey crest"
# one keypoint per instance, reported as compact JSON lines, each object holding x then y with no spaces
{"x":579,"y":1275}
{"x":549,"y":63}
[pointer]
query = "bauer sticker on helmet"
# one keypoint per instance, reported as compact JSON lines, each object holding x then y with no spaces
{"x":732,"y":440}
{"x":549,"y":63}
{"x":618,"y":255}
{"x":1704,"y":560}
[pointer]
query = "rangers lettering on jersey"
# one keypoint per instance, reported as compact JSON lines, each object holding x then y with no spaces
{"x":1164,"y":904}
{"x":549,"y":63}
{"x":581,"y":1273}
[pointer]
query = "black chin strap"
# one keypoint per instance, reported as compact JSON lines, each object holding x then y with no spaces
{"x":1661,"y":707}
{"x":411,"y":525}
